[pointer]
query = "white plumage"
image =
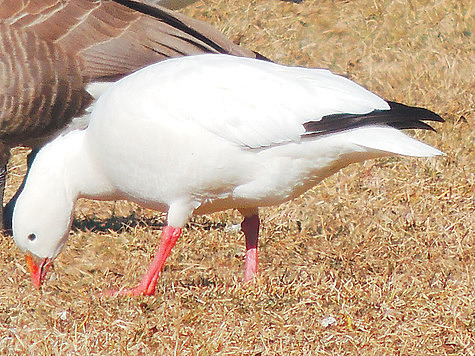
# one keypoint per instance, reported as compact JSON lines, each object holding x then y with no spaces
{"x":203,"y":134}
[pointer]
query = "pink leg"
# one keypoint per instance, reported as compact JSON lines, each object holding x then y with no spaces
{"x":147,"y":286}
{"x":250,"y":227}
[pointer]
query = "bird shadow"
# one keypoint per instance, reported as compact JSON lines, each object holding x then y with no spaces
{"x":115,"y":223}
{"x":121,"y":224}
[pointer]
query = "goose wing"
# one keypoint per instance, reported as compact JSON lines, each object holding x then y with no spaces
{"x":113,"y":38}
{"x":258,"y":104}
{"x":248,"y":102}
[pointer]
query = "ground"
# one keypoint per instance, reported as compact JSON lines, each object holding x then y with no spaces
{"x":377,"y":260}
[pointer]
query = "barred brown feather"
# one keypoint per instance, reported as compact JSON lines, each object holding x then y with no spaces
{"x":42,"y":86}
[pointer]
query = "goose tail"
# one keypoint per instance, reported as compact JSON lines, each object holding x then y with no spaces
{"x":380,"y":129}
{"x":390,"y":140}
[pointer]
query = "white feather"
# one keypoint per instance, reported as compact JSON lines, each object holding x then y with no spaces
{"x":248,"y":102}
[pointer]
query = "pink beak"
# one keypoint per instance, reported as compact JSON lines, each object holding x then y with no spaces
{"x":38,"y":268}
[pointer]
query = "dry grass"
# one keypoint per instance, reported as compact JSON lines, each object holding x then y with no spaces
{"x":385,"y":248}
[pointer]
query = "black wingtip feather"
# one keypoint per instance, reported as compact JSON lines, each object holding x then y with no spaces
{"x":414,"y":112}
{"x":399,"y":116}
{"x":413,"y":125}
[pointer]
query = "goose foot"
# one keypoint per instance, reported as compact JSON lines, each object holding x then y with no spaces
{"x":169,"y":238}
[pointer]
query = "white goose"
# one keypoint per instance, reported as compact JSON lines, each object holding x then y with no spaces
{"x":202,"y":134}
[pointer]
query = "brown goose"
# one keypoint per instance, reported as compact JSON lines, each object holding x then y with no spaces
{"x":51,"y":50}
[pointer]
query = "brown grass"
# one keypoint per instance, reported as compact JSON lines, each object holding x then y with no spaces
{"x":385,"y":248}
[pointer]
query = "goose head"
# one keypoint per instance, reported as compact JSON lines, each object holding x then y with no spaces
{"x":40,"y":231}
{"x":43,"y":215}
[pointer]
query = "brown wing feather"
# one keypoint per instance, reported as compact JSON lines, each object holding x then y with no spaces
{"x":113,"y":38}
{"x":139,"y":35}
{"x":41,"y":86}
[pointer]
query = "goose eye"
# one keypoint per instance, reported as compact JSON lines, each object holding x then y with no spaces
{"x":32,"y":237}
